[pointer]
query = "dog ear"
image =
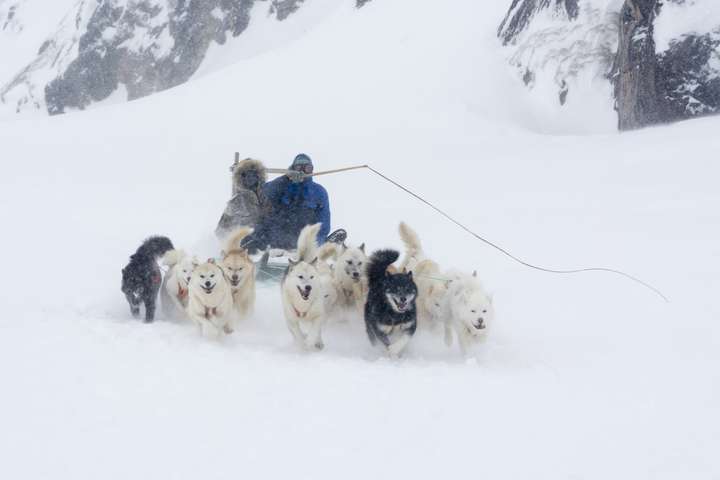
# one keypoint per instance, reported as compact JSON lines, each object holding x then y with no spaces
{"x":362,"y":248}
{"x":314,"y":262}
{"x":211,"y":260}
{"x":409,"y":274}
{"x":223,"y":254}
{"x":292,"y":262}
{"x":195,"y":262}
{"x":475,"y":273}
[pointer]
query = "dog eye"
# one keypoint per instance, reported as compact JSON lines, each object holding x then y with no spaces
{"x":202,"y":276}
{"x":300,"y":277}
{"x":484,"y":311}
{"x":349,"y":262}
{"x":473,"y":311}
{"x":312,"y":277}
{"x":212,"y":276}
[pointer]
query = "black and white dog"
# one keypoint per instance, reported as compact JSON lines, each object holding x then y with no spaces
{"x":141,"y":277}
{"x":390,"y":312}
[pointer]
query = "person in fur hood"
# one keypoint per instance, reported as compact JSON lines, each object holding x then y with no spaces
{"x":249,"y":204}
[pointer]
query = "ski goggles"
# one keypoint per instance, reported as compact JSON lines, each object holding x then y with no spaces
{"x":306,"y":168}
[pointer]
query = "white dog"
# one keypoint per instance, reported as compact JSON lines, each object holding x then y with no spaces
{"x":469,"y":311}
{"x":306,"y":293}
{"x":175,"y":284}
{"x":211,"y":302}
{"x":239,"y":270}
{"x":350,"y":278}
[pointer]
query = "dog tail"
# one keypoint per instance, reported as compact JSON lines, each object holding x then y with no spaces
{"x":232,"y":242}
{"x":307,"y":243}
{"x":411,"y":240}
{"x":173,"y":257}
{"x":379,"y":262}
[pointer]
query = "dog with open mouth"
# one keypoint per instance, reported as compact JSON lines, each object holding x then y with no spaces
{"x":210,"y":300}
{"x":239,"y":271}
{"x":469,"y":311}
{"x":174,"y":294}
{"x":390,"y":310}
{"x":305,"y":293}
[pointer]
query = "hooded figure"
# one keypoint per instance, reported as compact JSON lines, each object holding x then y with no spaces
{"x":248,"y":203}
{"x":296,"y":201}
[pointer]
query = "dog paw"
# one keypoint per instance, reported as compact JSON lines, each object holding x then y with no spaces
{"x":228,"y":330}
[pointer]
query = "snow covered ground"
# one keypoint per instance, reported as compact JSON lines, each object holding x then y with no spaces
{"x":587,"y":376}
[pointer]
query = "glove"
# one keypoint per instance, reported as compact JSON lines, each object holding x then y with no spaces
{"x":295,"y":176}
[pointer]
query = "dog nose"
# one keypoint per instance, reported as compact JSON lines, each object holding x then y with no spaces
{"x":207,"y":284}
{"x":403,"y":299}
{"x":235,"y":277}
{"x":308,"y":288}
{"x":356,"y":275}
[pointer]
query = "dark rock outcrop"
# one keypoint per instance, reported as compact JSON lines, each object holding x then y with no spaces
{"x":146,"y":48}
{"x":522,"y":12}
{"x":654,"y":87}
{"x":634,"y":72}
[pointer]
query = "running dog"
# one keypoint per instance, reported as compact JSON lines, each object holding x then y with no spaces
{"x":304,"y":293}
{"x":469,"y":311}
{"x":174,"y":294}
{"x":210,"y":300}
{"x":142,"y":276}
{"x":350,"y":278}
{"x":239,"y":270}
{"x":431,"y":283}
{"x":390,"y":311}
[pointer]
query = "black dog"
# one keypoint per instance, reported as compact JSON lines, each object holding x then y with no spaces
{"x":390,"y":313}
{"x":141,"y":278}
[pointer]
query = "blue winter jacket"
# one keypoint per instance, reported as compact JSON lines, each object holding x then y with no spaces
{"x":294,"y":205}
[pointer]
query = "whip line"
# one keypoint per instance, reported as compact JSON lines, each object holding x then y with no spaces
{"x":488,"y":242}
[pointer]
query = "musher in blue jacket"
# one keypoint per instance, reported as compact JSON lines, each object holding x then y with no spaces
{"x":295,"y":201}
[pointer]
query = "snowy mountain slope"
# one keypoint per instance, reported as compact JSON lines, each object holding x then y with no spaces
{"x":24,"y":26}
{"x":127,"y":49}
{"x":583,"y":376}
{"x":567,"y":51}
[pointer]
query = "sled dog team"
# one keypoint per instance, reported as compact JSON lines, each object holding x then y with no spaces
{"x":320,"y":281}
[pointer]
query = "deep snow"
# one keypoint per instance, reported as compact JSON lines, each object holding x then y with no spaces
{"x":585,"y":376}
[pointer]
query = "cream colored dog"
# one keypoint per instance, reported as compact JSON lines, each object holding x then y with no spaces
{"x":350,"y":278}
{"x":176,"y":282}
{"x":305,"y":293}
{"x":239,"y":271}
{"x":210,"y":302}
{"x":432,"y":284}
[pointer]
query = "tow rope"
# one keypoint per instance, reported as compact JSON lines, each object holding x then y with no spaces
{"x":478,"y":237}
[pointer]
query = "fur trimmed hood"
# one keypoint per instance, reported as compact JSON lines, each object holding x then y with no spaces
{"x":247,"y":165}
